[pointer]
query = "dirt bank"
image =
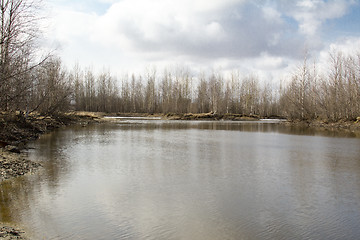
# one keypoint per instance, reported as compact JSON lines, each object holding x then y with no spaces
{"x":211,"y":116}
{"x":15,"y":131}
{"x":353,"y":126}
{"x":15,"y":128}
{"x":8,"y":233}
{"x":321,"y":124}
{"x":15,"y":164}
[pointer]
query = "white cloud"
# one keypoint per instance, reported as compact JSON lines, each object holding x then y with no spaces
{"x":73,"y":24}
{"x":311,"y":14}
{"x":215,"y":28}
{"x":163,"y":21}
{"x":267,"y":62}
{"x":215,"y":31}
{"x":347,"y":46}
{"x":228,"y":34}
{"x":271,"y":14}
{"x":108,"y":1}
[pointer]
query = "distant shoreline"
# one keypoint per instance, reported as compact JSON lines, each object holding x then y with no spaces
{"x":317,"y":123}
{"x":339,"y":125}
{"x":195,"y":116}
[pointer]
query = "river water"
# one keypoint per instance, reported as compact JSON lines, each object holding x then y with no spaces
{"x":142,"y":179}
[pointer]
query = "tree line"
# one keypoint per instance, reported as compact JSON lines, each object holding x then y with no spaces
{"x":30,"y":83}
{"x":308,"y":94}
{"x":331,"y":94}
{"x":174,"y":91}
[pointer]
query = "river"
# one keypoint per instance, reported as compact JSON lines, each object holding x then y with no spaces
{"x":147,"y":179}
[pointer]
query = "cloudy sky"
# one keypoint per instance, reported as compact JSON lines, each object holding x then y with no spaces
{"x":265,"y":37}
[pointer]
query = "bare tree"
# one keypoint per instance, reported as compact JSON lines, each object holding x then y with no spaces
{"x":150,"y":92}
{"x":19,"y":31}
{"x":215,"y":91}
{"x":77,"y":78}
{"x":53,"y":88}
{"x":249,"y":95}
{"x":165,"y":89}
{"x":203,"y":99}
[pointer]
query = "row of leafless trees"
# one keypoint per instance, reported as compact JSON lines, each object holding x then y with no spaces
{"x":29,"y":82}
{"x":172,"y":91}
{"x":179,"y":92}
{"x":332,"y":95}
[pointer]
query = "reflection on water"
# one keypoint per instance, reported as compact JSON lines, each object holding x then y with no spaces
{"x":190,"y":180}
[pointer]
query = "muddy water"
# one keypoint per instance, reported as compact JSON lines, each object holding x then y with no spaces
{"x":189,"y":180}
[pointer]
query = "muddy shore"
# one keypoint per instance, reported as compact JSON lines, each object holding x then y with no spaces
{"x":15,"y":131}
{"x":15,"y":164}
{"x":352,"y":126}
{"x":193,"y":116}
{"x":10,"y":233}
{"x":211,"y":116}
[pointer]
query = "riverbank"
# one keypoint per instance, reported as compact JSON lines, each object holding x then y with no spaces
{"x":15,"y":128}
{"x":211,"y":116}
{"x":10,"y":233}
{"x":15,"y":131}
{"x":15,"y":164}
{"x":353,"y":126}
